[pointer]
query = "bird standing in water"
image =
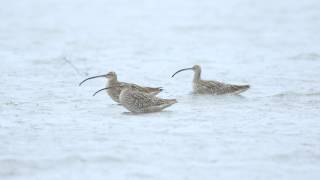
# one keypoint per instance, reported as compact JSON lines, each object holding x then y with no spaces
{"x":115,"y":92}
{"x":212,"y":87}
{"x":137,"y":101}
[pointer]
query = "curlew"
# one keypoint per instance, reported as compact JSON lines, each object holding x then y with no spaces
{"x":212,"y":87}
{"x":137,"y":101}
{"x":115,"y":92}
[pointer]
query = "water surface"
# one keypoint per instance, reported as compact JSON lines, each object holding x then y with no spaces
{"x":52,"y":129}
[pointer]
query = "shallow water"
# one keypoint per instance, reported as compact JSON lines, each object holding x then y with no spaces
{"x":51,"y":128}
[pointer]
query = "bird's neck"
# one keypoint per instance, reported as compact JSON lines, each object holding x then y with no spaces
{"x":112,"y":81}
{"x":125,"y":92}
{"x":197,"y":76}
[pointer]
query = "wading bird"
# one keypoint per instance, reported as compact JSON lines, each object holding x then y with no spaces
{"x":137,"y":101}
{"x":115,"y":92}
{"x":212,"y":87}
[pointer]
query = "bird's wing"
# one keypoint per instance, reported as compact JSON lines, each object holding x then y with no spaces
{"x":223,"y":88}
{"x":141,"y":99}
{"x":146,"y":100}
{"x":153,"y":89}
{"x":213,"y":87}
{"x":149,"y":90}
{"x":213,"y":84}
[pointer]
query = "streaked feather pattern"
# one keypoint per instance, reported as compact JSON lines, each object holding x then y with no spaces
{"x":212,"y":87}
{"x":217,"y":88}
{"x":114,"y":93}
{"x":140,"y":102}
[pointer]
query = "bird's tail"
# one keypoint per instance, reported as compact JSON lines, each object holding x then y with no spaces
{"x":171,"y":102}
{"x":153,"y":91}
{"x":241,"y":88}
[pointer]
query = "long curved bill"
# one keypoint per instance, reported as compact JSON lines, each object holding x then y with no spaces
{"x":181,"y":71}
{"x":100,"y":91}
{"x":106,"y":89}
{"x":92,"y":78}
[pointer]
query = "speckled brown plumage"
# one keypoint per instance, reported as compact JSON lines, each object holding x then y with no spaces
{"x":139,"y":102}
{"x":212,"y":87}
{"x":115,"y":92}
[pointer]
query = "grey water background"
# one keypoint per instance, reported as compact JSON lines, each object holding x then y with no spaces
{"x":52,"y":129}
